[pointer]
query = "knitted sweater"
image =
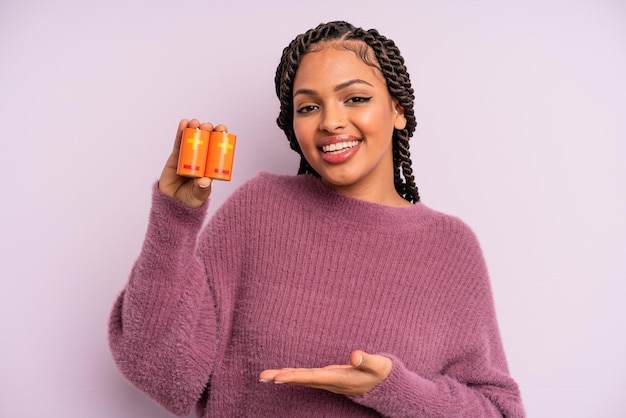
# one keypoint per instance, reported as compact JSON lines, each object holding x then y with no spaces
{"x":289,"y":273}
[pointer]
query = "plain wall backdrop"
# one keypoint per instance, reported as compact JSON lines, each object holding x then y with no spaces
{"x":521,"y":109}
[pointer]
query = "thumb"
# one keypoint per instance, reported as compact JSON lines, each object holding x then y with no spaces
{"x":357,"y":358}
{"x":201,"y":188}
{"x":372,"y":363}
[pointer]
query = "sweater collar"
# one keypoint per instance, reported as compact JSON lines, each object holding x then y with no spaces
{"x":360,"y":213}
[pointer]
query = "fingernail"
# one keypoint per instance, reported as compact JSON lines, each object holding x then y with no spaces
{"x":360,"y":360}
{"x":264,"y":380}
{"x":204,"y":185}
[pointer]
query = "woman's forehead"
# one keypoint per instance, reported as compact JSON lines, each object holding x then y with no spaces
{"x":329,"y":66}
{"x":361,"y":49}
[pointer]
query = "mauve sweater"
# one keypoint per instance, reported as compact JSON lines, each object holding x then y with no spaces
{"x":289,"y":273}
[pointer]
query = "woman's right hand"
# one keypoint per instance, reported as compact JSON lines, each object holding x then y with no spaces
{"x":193,"y":192}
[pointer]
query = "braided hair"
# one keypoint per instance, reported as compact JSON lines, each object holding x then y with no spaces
{"x":386,"y":57}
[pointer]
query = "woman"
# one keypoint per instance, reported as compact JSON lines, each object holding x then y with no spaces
{"x":331,"y":293}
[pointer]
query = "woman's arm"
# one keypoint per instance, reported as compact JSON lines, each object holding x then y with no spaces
{"x":162,"y":329}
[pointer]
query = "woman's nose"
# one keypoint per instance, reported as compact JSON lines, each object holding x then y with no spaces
{"x":333,"y":118}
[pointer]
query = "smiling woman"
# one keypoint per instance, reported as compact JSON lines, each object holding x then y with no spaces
{"x":337,"y":283}
{"x":344,"y":123}
{"x":386,"y":65}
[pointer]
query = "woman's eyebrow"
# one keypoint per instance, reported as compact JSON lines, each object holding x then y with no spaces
{"x":338,"y":87}
{"x":351,"y":82}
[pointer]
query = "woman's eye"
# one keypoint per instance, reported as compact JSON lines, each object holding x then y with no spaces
{"x":306,"y":109}
{"x":359,"y":99}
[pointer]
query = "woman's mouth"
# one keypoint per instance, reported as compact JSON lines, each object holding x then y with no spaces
{"x":340,"y":151}
{"x":339,"y":147}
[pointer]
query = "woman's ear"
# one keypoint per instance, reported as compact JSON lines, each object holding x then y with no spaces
{"x":399,"y":119}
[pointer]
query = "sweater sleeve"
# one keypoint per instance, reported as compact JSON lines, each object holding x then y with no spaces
{"x":406,"y":394}
{"x":474,"y":380}
{"x":162,"y":329}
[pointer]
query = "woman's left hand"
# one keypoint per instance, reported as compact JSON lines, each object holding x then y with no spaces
{"x":364,"y":372}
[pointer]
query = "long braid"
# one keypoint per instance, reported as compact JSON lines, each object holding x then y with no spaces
{"x":388,"y":60}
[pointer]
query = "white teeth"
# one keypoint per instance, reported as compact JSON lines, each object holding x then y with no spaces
{"x":339,"y":146}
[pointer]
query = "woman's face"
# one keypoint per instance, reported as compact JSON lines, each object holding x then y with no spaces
{"x":344,"y":119}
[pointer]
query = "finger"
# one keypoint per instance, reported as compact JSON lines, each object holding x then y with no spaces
{"x":285,"y":375}
{"x":172,"y":160}
{"x":206,"y":126}
{"x":194,"y":123}
{"x":201,"y":189}
{"x":204,"y":182}
{"x":307,"y":377}
{"x":269,"y":375}
{"x":371,"y":363}
{"x":343,"y":379}
{"x":356,"y":358}
{"x":221,"y":128}
{"x":179,"y":134}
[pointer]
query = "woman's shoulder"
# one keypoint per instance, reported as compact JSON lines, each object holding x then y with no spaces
{"x":443,"y":219}
{"x":442,"y":225}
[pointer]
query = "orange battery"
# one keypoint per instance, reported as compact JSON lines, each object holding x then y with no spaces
{"x":193,"y":152}
{"x":221,"y":155}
